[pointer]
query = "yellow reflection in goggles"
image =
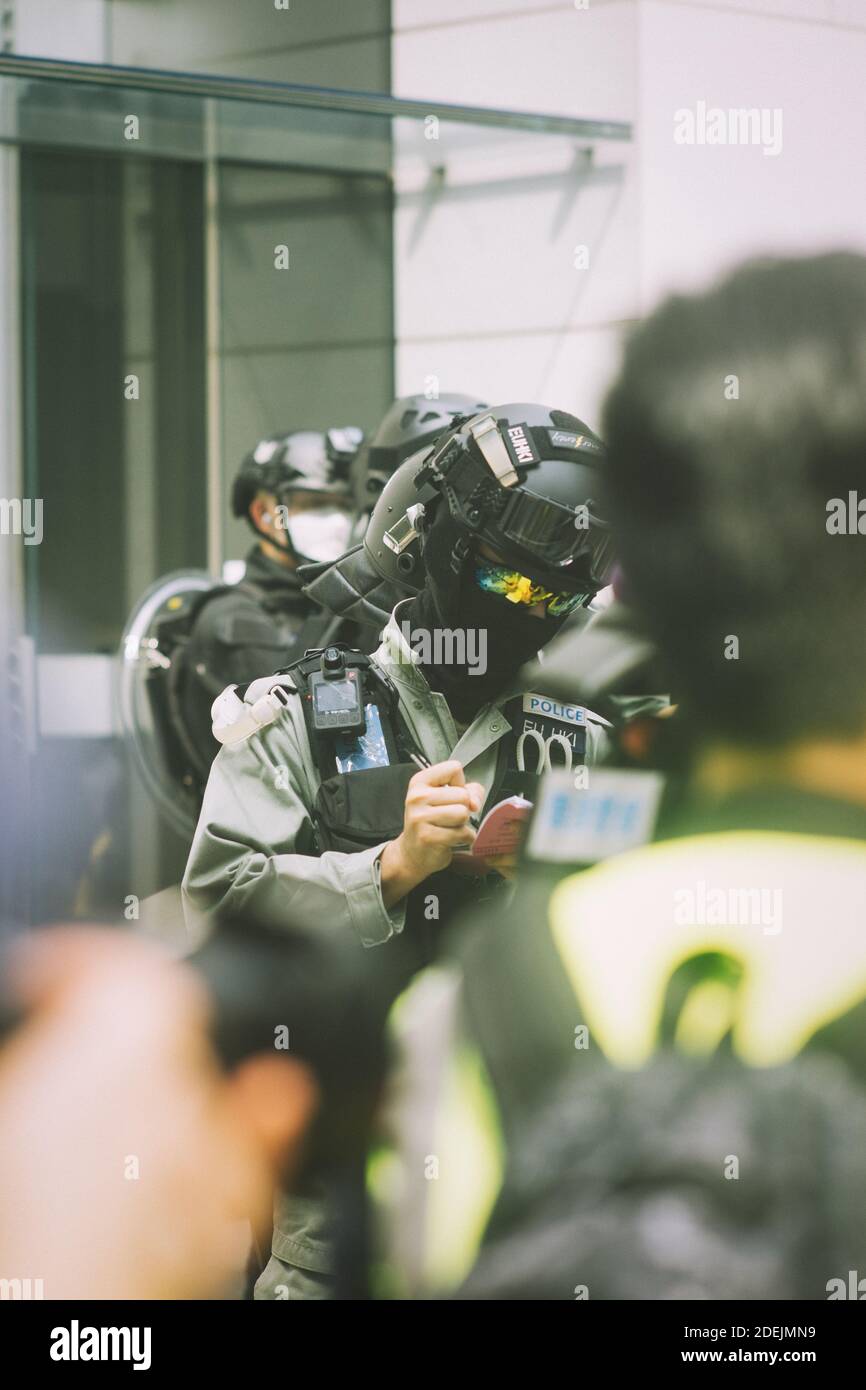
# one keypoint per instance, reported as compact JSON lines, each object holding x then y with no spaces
{"x":519,"y":589}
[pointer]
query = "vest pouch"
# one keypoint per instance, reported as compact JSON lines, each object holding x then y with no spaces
{"x":354,"y":810}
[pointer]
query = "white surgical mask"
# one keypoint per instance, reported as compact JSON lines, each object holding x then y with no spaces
{"x":320,"y":535}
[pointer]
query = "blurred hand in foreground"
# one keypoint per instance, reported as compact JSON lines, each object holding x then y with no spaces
{"x":128,"y":1160}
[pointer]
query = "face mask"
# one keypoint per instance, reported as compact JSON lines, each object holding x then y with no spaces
{"x":512,"y":636}
{"x":320,"y":535}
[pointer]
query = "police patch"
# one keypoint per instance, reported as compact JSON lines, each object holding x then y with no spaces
{"x":548,"y":733}
{"x":567,"y":714}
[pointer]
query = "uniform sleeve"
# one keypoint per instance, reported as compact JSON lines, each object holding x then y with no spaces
{"x":254,"y":849}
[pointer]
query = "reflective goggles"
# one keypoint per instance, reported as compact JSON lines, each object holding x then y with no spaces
{"x":518,"y":588}
{"x":540,"y":527}
{"x":555,"y":534}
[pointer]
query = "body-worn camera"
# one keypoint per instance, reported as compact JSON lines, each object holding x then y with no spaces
{"x":336,"y":696}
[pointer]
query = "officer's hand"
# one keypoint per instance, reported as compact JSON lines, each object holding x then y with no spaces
{"x":439,"y":802}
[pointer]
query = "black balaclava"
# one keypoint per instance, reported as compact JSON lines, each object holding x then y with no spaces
{"x":454,"y":601}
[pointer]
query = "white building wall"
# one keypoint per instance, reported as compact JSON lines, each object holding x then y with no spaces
{"x":492,"y":251}
{"x":704,"y":208}
{"x":656,"y":216}
{"x":76,"y":31}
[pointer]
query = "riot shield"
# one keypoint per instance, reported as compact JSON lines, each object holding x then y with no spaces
{"x":147,"y":691}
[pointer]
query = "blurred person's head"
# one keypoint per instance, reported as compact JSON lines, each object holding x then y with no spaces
{"x":289,"y":993}
{"x":294,"y":491}
{"x":739,"y":415}
{"x":152,"y":1106}
{"x":119,"y":1132}
{"x":304,"y":996}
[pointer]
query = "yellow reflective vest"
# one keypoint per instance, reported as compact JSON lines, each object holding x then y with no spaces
{"x":785,"y":909}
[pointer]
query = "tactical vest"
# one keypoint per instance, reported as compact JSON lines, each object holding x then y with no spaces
{"x":360,"y":803}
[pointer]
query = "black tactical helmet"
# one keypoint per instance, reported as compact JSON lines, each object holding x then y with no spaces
{"x":303,"y":461}
{"x":409,"y":423}
{"x":523,"y":479}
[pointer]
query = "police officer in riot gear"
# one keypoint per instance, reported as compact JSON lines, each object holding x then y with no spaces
{"x":354,"y":589}
{"x":293,"y":489}
{"x":347,"y":782}
{"x":187,"y":634}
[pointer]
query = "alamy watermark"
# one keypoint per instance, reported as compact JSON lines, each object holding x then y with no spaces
{"x":712,"y":125}
{"x":21,"y":1290}
{"x":77,"y":1343}
{"x":446,"y":646}
{"x":852,"y":1287}
{"x":846,"y":516}
{"x":22,"y":516}
{"x":702,"y":905}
